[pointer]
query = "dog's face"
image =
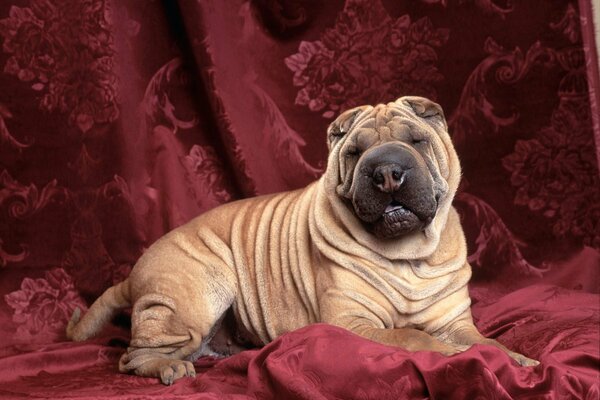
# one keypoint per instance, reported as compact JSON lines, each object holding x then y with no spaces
{"x":388,"y":164}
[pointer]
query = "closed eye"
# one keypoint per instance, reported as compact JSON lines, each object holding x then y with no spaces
{"x":353,"y":152}
{"x":419,"y":141}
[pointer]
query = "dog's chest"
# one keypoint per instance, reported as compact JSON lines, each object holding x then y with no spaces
{"x":422,"y":298}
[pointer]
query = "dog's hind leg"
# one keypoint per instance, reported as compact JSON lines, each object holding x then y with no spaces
{"x":165,"y":334}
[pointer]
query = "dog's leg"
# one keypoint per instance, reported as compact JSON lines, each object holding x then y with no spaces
{"x":409,"y":339}
{"x":365,"y":317}
{"x":464,"y":332}
{"x":167,"y":370}
{"x":362,"y":314}
{"x":164,"y":334}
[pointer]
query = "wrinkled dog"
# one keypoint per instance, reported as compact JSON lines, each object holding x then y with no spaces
{"x":373,"y":246}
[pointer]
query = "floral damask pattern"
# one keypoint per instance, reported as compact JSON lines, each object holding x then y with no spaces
{"x":367,"y":58}
{"x":398,"y":389}
{"x":495,"y":243}
{"x":572,"y":388}
{"x":87,"y":260}
{"x":5,"y":137}
{"x":476,"y":114}
{"x":555,"y":173}
{"x":552,"y":174}
{"x":63,"y":49}
{"x":20,"y":202}
{"x":113,"y":132}
{"x":484,"y":386}
{"x":43,"y":306}
{"x":493,"y":7}
{"x":171,"y":123}
{"x":158,"y":98}
{"x":205,"y":171}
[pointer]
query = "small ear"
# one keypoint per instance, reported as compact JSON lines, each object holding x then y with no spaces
{"x":342,"y":124}
{"x":424,"y":108}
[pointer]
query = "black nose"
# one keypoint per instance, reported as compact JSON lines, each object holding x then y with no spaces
{"x":388,"y":178}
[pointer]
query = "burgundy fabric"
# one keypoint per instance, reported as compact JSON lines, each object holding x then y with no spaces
{"x":120,"y":120}
{"x":324,"y":362}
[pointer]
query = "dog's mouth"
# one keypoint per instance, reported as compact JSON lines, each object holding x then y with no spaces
{"x":397,"y":213}
{"x":397,"y":219}
{"x":395,"y":209}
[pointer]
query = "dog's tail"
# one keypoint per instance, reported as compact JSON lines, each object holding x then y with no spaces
{"x":101,"y":312}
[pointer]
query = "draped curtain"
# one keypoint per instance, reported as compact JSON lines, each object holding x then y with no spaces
{"x":121,"y":120}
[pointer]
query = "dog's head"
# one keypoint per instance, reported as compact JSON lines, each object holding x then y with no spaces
{"x":394,"y":164}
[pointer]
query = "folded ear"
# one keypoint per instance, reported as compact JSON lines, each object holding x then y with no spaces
{"x":424,"y":108}
{"x":342,"y":124}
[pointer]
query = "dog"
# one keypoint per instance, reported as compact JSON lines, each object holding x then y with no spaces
{"x":373,"y":246}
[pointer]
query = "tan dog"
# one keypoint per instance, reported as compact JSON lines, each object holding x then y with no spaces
{"x":373,"y":246}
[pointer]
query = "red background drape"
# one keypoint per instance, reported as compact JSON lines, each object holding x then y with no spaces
{"x":122,"y":120}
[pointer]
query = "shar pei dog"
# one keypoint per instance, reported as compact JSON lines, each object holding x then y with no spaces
{"x":373,"y":246}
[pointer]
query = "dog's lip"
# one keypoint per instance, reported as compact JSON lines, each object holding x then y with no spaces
{"x":396,"y":210}
{"x":394,"y":206}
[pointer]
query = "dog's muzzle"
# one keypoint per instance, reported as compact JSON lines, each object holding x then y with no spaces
{"x":393,"y":190}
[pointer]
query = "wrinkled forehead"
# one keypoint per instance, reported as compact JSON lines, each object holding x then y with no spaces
{"x":395,"y":121}
{"x":386,"y":122}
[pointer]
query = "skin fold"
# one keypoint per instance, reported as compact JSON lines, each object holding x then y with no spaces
{"x":373,"y":246}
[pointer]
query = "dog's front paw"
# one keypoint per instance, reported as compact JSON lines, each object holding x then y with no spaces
{"x":172,"y":370}
{"x":522,"y":360}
